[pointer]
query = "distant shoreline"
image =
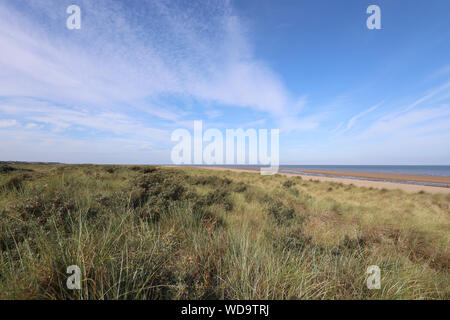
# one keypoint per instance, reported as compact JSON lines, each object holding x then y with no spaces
{"x":408,"y":183}
{"x":425,"y":180}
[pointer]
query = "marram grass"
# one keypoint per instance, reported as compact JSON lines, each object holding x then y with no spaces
{"x":143,"y":232}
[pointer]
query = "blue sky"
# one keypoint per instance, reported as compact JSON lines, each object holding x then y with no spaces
{"x":115,"y":90}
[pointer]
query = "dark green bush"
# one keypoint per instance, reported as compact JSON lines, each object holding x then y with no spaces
{"x":288,"y":183}
{"x":220,"y":197}
{"x":280,"y":211}
{"x":213,"y":181}
{"x":110,"y":169}
{"x":148,"y":169}
{"x":7,"y":168}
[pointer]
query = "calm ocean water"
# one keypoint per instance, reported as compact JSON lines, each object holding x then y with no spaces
{"x":420,"y":170}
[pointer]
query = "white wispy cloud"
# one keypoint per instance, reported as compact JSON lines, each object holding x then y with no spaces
{"x":411,"y":122}
{"x":409,"y":133}
{"x":339,"y":126}
{"x":440,"y":72}
{"x":8,"y":123}
{"x":351,"y":123}
{"x":116,"y":57}
{"x":64,"y":118}
{"x":125,"y":61}
{"x":426,"y":97}
{"x":421,"y":115}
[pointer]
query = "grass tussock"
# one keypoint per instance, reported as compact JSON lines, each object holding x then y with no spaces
{"x":145,"y":232}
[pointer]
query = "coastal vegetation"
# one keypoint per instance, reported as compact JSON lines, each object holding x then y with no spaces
{"x":147,"y":232}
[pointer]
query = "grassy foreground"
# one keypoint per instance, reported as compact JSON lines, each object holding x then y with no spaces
{"x":141,"y":232}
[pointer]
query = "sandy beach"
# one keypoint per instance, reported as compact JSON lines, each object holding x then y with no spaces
{"x":382,"y":176}
{"x":412,"y":188}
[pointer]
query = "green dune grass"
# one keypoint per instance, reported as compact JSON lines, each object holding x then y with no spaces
{"x":143,"y":232}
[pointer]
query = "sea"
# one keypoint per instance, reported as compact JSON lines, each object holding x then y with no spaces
{"x":442,"y":170}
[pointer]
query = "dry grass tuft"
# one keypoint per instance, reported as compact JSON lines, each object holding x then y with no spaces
{"x":145,"y":232}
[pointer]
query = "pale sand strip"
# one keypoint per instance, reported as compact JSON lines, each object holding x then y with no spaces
{"x":384,"y":176}
{"x":412,"y":188}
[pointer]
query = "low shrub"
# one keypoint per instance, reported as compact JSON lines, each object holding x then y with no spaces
{"x":6,"y":168}
{"x":280,"y":212}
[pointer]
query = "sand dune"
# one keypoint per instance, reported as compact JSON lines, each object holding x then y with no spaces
{"x":366,"y":183}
